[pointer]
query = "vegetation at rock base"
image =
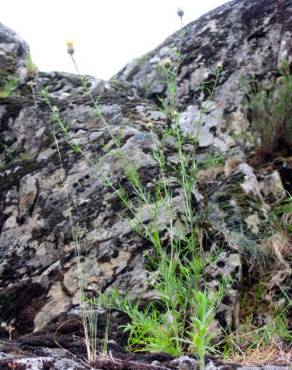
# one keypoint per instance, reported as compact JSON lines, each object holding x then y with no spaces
{"x":146,"y":221}
{"x":186,"y":305}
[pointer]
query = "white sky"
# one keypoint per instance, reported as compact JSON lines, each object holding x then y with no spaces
{"x":107,"y":34}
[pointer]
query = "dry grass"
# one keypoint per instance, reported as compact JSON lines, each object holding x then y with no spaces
{"x":250,"y":345}
{"x":209,"y":175}
{"x":263,"y":355}
{"x":279,"y":247}
{"x":230,"y":165}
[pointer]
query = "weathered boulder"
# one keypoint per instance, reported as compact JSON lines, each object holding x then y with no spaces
{"x":14,"y":58}
{"x":46,"y":186}
{"x":247,"y":38}
{"x":37,"y":247}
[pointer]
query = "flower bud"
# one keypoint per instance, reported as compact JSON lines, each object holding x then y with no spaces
{"x":166,"y":63}
{"x":180,"y":12}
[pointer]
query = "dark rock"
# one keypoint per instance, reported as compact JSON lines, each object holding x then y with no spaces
{"x":43,"y":180}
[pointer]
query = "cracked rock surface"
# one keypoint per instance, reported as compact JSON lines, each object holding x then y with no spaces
{"x":38,"y":174}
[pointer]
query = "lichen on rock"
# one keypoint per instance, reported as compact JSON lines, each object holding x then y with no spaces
{"x":234,"y":196}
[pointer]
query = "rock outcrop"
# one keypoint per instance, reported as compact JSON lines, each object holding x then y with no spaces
{"x":248,"y":38}
{"x":14,"y":57}
{"x":43,"y":179}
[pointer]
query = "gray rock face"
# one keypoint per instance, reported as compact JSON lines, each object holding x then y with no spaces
{"x":237,"y":208}
{"x":45,"y":186}
{"x":248,"y":38}
{"x":36,"y":237}
{"x":14,"y":53}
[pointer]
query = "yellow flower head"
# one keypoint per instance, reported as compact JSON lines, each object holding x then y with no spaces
{"x":70,"y":47}
{"x":219,"y":66}
{"x":70,"y":44}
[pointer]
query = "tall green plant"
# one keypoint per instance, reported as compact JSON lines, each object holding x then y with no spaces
{"x":177,"y":269}
{"x":87,"y":306}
